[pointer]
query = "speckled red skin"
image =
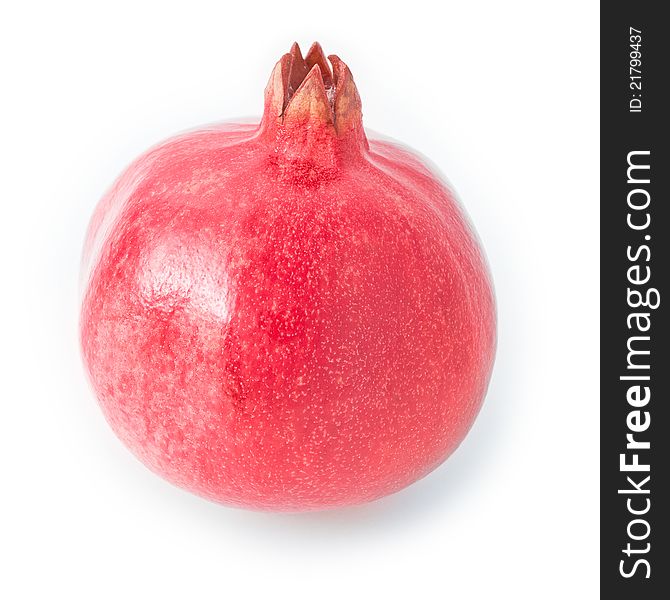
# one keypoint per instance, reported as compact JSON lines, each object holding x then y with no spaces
{"x":287,"y":316}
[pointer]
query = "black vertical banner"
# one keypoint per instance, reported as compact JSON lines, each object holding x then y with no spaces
{"x":635,"y":300}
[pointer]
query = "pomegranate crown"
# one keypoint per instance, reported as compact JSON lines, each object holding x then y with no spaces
{"x":307,"y":89}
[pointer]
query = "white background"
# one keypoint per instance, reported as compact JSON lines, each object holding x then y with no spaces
{"x":503,"y":97}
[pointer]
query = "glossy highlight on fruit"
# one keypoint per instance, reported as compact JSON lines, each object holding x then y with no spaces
{"x":291,"y":315}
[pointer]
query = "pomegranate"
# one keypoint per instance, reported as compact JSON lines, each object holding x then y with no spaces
{"x":290,"y":315}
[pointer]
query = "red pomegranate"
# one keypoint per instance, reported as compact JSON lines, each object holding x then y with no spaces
{"x":291,"y":315}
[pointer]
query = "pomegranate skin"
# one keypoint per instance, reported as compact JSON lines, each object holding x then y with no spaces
{"x":286,"y":316}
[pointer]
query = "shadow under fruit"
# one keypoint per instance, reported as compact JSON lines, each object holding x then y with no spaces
{"x":290,"y":315}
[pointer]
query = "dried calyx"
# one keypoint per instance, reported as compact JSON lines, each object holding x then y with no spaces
{"x":306,"y":89}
